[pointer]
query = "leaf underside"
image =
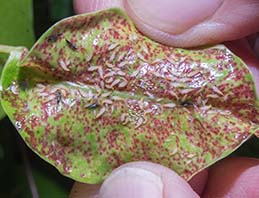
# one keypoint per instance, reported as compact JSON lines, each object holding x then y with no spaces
{"x":94,"y":93}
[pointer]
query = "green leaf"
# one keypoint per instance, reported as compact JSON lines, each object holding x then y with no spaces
{"x":16,"y":23}
{"x":16,"y":27}
{"x":94,"y":93}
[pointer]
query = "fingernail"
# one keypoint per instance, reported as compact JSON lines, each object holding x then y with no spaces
{"x":172,"y":16}
{"x":132,"y":182}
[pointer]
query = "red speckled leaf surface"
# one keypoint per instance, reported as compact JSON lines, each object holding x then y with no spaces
{"x":94,"y":93}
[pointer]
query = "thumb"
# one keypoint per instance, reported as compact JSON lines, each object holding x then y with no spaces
{"x":145,"y":179}
{"x":186,"y":23}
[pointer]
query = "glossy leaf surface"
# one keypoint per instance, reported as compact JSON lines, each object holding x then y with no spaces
{"x":94,"y":93}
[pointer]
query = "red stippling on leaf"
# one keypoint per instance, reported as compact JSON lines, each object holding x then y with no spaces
{"x":102,"y":94}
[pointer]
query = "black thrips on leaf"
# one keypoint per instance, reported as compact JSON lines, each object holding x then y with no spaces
{"x":93,"y":106}
{"x":58,"y":95}
{"x":53,"y":38}
{"x":186,"y":104}
{"x":71,"y":45}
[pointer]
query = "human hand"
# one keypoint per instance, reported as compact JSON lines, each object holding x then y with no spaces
{"x":232,"y":178}
{"x":187,"y":24}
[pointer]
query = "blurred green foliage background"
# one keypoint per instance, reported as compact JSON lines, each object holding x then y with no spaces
{"x":23,"y":174}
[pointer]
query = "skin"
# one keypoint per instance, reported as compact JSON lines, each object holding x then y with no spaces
{"x":186,"y":24}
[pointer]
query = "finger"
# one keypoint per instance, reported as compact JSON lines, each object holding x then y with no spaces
{"x":145,"y":179}
{"x":83,"y":6}
{"x":256,"y":46}
{"x":186,"y":23}
{"x":233,"y":177}
{"x":81,"y":190}
{"x":199,"y":181}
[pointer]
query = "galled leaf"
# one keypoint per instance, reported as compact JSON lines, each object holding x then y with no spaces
{"x":94,"y":93}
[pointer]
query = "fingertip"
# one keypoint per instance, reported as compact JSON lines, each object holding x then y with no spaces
{"x":83,"y":6}
{"x":233,"y":177}
{"x":80,"y":6}
{"x":131,"y":182}
{"x":145,"y":179}
{"x":198,"y":182}
{"x":182,"y":23}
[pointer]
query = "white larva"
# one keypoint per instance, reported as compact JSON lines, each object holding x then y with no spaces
{"x":109,"y":65}
{"x":112,"y":109}
{"x":109,"y":74}
{"x":64,"y":92}
{"x":43,"y":94}
{"x":64,"y":64}
{"x":40,"y":86}
{"x":191,"y":155}
{"x":123,"y":84}
{"x":156,"y":61}
{"x":193,"y":73}
{"x":116,"y":98}
{"x":83,"y":93}
{"x":123,"y":117}
{"x":169,"y":105}
{"x":188,"y":162}
{"x":115,"y":82}
{"x":14,"y":89}
{"x":113,"y":46}
{"x":107,"y":101}
{"x":54,"y":89}
{"x":105,"y":95}
{"x":145,"y":49}
{"x":74,"y":92}
{"x":172,"y":93}
{"x":101,"y":112}
{"x":174,"y":151}
{"x":108,"y":86}
{"x":215,"y":89}
{"x":102,"y":85}
{"x":100,"y":71}
{"x":112,"y":56}
{"x":109,"y":80}
{"x":141,"y":57}
{"x":157,"y":74}
{"x":134,"y":74}
{"x":139,"y":122}
{"x":205,"y":108}
{"x":89,"y":57}
{"x":93,"y":68}
{"x":121,"y":56}
{"x":121,"y":73}
{"x":50,"y":97}
{"x":123,"y":63}
{"x":148,"y":111}
{"x":133,"y":37}
{"x":185,"y":91}
{"x":212,"y":96}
